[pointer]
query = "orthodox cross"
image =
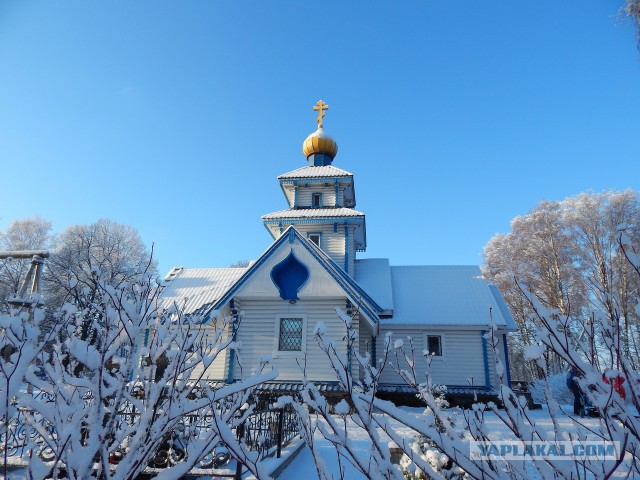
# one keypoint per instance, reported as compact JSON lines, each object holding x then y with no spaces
{"x":320,"y":108}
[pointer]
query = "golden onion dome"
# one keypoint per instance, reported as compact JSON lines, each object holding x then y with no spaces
{"x":319,"y":142}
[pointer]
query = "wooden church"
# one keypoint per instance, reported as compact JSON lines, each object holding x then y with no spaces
{"x":312,"y":267}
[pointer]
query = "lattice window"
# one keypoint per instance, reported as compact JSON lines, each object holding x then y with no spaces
{"x":290,"y":334}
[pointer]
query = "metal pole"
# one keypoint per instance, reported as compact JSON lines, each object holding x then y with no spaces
{"x":240,"y":431}
{"x":23,"y":253}
{"x":280,"y":425}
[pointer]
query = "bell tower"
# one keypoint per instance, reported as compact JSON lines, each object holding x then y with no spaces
{"x":321,"y":201}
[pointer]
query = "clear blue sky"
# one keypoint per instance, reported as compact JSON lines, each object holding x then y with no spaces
{"x":177,"y":117}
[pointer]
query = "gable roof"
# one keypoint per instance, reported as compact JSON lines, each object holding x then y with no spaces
{"x":417,"y":295}
{"x":451,"y":295}
{"x":368,"y":307}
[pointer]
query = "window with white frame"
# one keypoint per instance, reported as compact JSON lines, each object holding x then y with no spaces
{"x":315,"y":238}
{"x":291,"y":334}
{"x":434,"y":347}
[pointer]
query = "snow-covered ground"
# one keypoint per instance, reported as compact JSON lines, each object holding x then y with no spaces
{"x":302,"y":467}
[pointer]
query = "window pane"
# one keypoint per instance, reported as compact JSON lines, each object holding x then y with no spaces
{"x":434,"y":345}
{"x":290,"y":334}
{"x":315,"y":239}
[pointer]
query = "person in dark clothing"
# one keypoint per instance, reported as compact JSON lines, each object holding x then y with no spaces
{"x":572,"y":383}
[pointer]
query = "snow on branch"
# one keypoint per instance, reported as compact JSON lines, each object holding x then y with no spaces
{"x":120,"y":384}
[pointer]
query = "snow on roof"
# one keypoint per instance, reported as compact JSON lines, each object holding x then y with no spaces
{"x":455,"y":295}
{"x":313,"y":171}
{"x":313,"y":212}
{"x":374,"y":276}
{"x":418,"y":295}
{"x":195,"y":287}
{"x":504,"y":309}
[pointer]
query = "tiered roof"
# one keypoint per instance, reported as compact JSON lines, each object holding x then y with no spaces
{"x":313,"y":213}
{"x":328,"y":171}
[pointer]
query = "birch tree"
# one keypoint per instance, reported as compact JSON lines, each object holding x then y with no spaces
{"x":539,"y":253}
{"x":593,"y":221}
{"x":566,"y":254}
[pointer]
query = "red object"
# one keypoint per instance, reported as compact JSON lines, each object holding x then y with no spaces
{"x":617,"y":384}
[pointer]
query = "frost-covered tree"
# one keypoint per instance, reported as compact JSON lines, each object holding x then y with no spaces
{"x":240,"y":264}
{"x":593,"y":221}
{"x":20,"y":345}
{"x":600,"y":358}
{"x":538,"y":252}
{"x":632,"y":11}
{"x":104,"y":409}
{"x":566,"y":254}
{"x":114,"y":250}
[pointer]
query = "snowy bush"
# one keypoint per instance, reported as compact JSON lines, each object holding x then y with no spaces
{"x":113,"y":405}
{"x":558,"y":387}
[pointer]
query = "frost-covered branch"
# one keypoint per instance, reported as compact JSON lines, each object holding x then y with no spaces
{"x":125,"y":389}
{"x":20,"y":344}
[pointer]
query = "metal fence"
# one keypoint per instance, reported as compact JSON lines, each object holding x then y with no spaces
{"x":265,"y":431}
{"x":19,"y":438}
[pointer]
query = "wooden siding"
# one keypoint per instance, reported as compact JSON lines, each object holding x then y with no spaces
{"x":217,"y":369}
{"x":366,"y":340}
{"x":501,"y":353}
{"x":289,"y":193}
{"x":328,"y":194}
{"x":305,"y":193}
{"x":366,"y":333}
{"x":258,"y":336}
{"x":332,"y":244}
{"x":463,"y":356}
{"x":351,"y":248}
{"x":227,"y":312}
